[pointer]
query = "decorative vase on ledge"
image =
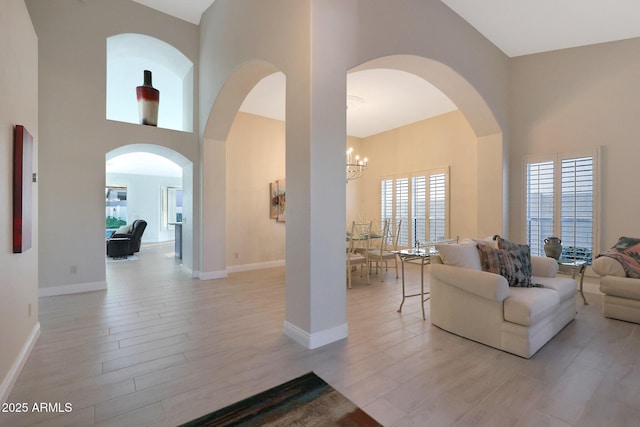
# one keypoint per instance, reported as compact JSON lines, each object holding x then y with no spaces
{"x":148,"y":100}
{"x":553,"y":247}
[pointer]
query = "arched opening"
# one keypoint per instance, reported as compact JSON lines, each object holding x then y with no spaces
{"x":480,"y":127}
{"x":215,"y":250}
{"x":477,"y":188}
{"x":128,"y":55}
{"x":157,"y":184}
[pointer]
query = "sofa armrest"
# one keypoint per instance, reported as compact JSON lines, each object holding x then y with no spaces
{"x":481,"y":283}
{"x":623,"y":287}
{"x":121,"y":236}
{"x":542,"y":266}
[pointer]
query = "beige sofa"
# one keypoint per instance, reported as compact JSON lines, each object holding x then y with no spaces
{"x":621,"y":294}
{"x":481,"y":306}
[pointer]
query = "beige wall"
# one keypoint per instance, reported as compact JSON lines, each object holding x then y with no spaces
{"x":18,"y":105}
{"x":72,"y":78}
{"x":578,"y":99}
{"x":439,"y":142}
{"x":255,"y":149}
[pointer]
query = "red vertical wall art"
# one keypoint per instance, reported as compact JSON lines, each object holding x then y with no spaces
{"x":22,"y":166}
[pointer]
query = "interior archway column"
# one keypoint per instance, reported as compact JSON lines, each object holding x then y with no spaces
{"x":316,"y":312}
{"x":214,"y":215}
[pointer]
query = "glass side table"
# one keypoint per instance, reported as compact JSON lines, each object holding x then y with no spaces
{"x":574,"y":268}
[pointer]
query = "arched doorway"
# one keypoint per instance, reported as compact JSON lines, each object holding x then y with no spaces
{"x":155,"y":197}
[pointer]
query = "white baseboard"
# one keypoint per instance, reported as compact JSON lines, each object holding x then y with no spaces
{"x":317,"y":339}
{"x":12,"y":376}
{"x":72,"y":289}
{"x":210,"y":275}
{"x":255,"y":266}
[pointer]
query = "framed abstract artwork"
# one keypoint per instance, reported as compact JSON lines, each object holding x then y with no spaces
{"x":22,"y":191}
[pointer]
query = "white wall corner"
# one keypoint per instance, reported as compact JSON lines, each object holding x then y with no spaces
{"x":255,"y":266}
{"x":317,"y":339}
{"x":12,"y":376}
{"x":211,"y":275}
{"x":193,"y":273}
{"x":72,"y":289}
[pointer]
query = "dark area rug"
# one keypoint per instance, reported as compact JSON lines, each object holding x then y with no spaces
{"x":304,"y":401}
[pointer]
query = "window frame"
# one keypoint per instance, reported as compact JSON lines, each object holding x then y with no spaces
{"x":407,"y":230}
{"x":557,"y":159}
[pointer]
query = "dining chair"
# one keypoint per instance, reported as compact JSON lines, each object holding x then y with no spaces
{"x":389,"y":245}
{"x":376,"y":251}
{"x":358,"y":249}
{"x":389,"y":252}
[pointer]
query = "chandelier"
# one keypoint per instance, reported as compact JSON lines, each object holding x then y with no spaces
{"x":355,"y":166}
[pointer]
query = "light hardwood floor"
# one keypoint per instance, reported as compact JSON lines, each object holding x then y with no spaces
{"x":160,"y":348}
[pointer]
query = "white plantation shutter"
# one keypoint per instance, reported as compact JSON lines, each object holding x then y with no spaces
{"x":421,"y":202}
{"x":402,"y":209}
{"x":561,"y":194}
{"x":437,"y":207}
{"x":419,"y":208}
{"x":577,"y":208}
{"x":539,"y":205}
{"x":386,"y":200}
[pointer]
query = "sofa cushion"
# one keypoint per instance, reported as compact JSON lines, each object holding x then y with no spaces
{"x":459,"y":255}
{"x":522,"y":253}
{"x":566,"y":287}
{"x":606,"y":266}
{"x":622,"y":287}
{"x":124,"y":229}
{"x":509,"y":264}
{"x":527,"y":306}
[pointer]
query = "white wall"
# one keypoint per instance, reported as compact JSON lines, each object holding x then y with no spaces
{"x":72,"y":72}
{"x":144,"y":201}
{"x":576,"y":99}
{"x":19,"y":272}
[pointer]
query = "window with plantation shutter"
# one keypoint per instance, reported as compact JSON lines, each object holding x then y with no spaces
{"x":561,"y":193}
{"x":386,"y":198}
{"x":421,"y":201}
{"x":577,"y":208}
{"x":539,"y":205}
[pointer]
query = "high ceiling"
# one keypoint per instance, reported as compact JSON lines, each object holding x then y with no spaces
{"x":515,"y":27}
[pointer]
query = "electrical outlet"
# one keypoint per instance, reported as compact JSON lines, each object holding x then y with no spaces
{"x":73,"y":269}
{"x":236,"y":255}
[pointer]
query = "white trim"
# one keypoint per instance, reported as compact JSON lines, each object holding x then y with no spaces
{"x":12,"y":376}
{"x":317,"y":339}
{"x":189,"y":271}
{"x":211,"y":275}
{"x":72,"y":289}
{"x":255,"y":266}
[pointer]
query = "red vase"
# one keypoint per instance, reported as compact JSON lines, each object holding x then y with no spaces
{"x":148,"y":100}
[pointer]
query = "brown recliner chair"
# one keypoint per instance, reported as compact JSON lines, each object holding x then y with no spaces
{"x":117,"y":246}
